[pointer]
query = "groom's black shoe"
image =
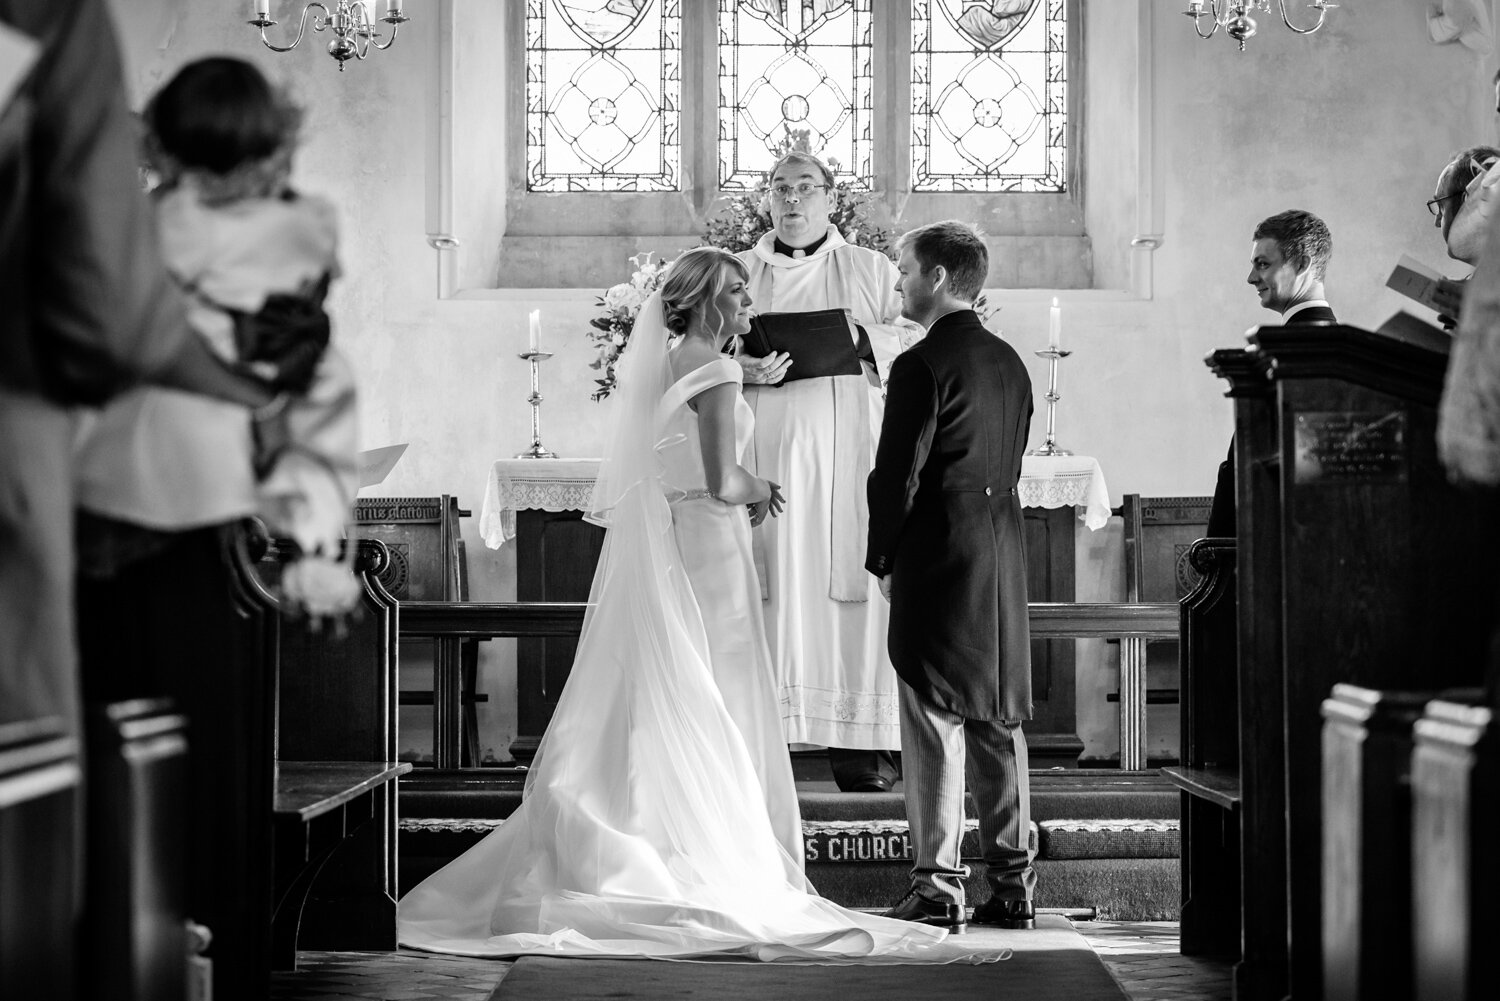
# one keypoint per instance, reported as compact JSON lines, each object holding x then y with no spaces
{"x":1006,"y":913}
{"x":942,"y":914}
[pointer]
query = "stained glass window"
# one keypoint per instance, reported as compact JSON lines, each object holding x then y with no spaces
{"x":988,"y":101}
{"x":602,"y":95}
{"x":794,"y":73}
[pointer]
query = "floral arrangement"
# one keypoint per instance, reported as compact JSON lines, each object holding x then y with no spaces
{"x":611,"y":328}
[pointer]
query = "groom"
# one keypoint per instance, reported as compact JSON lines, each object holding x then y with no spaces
{"x":946,"y":542}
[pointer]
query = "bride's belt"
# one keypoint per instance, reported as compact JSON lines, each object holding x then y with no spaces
{"x":677,"y":496}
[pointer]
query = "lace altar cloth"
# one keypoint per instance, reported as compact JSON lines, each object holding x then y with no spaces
{"x":566,"y":485}
{"x":532,"y":485}
{"x":1065,"y":481}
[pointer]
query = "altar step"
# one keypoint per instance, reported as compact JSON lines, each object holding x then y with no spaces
{"x":1107,"y":841}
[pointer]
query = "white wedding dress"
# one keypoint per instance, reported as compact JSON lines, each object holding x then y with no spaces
{"x":660,"y":818}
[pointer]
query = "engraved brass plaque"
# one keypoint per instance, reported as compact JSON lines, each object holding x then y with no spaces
{"x":1336,"y":446}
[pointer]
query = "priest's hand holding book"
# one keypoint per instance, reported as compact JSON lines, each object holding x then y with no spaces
{"x":807,"y":344}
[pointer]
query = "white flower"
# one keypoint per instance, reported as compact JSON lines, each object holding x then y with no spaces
{"x":620,"y":297}
{"x":320,"y":587}
{"x":619,"y":340}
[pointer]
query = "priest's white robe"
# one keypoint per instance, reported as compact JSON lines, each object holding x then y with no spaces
{"x":825,"y":619}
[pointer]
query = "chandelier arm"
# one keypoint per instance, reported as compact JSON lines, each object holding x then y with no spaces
{"x":319,"y":23}
{"x":1322,"y":13}
{"x":390,"y":41}
{"x":1198,"y":14}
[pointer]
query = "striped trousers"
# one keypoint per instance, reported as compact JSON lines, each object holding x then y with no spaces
{"x":939,"y":749}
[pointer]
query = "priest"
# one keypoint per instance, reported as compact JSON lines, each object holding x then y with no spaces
{"x":825,"y":620}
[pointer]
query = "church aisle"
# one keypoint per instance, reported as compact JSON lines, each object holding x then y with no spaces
{"x":1141,"y":955}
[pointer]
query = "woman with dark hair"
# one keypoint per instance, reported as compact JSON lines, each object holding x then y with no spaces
{"x":659,"y":817}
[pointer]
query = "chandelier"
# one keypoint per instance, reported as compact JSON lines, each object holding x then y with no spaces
{"x":1236,"y":21}
{"x":351,"y":22}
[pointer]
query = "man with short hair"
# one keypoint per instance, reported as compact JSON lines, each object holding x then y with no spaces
{"x":946,"y":542}
{"x":1289,"y":255}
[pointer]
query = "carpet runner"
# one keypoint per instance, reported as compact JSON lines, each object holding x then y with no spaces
{"x":1051,"y":963}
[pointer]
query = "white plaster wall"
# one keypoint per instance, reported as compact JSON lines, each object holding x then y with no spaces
{"x":1352,"y":123}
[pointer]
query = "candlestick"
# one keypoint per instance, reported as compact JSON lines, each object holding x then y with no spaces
{"x":536,"y":451}
{"x":1054,"y":325}
{"x":536,"y":329}
{"x":1050,"y":446}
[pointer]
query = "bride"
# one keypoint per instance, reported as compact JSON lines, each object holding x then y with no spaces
{"x":660,"y":816}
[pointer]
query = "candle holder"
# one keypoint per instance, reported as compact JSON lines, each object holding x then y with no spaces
{"x":1050,"y":447}
{"x":536,"y":451}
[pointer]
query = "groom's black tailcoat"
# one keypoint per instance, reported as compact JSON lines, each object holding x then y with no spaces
{"x":945,"y":520}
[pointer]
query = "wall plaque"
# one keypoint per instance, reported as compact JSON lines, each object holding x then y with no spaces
{"x":1337,"y":446}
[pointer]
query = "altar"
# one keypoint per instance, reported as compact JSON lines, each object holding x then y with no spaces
{"x":538,"y":504}
{"x":560,"y":485}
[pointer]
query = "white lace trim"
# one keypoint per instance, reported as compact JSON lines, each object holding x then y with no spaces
{"x":863,"y":709}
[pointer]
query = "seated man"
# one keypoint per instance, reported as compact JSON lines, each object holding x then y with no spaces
{"x":1288,"y":256}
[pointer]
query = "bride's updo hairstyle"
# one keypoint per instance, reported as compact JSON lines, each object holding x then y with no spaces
{"x":694,"y":281}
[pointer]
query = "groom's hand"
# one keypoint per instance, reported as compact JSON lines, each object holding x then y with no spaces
{"x":885,"y":587}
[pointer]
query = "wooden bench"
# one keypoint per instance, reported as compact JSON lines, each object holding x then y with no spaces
{"x":1209,"y":775}
{"x":1158,"y":532}
{"x":1455,"y":788}
{"x":452,"y":622}
{"x":40,"y":774}
{"x":557,"y":551}
{"x":135,"y":904}
{"x":427,"y":562}
{"x":335,"y":796}
{"x":1345,"y":572}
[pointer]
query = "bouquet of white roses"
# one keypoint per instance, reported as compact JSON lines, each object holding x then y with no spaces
{"x":621,"y":303}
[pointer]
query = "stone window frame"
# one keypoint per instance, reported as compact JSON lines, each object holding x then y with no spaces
{"x":468,"y":266}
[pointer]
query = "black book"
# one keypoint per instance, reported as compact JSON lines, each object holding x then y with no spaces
{"x":820,"y":341}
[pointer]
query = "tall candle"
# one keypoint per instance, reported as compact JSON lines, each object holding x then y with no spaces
{"x":1054,"y":325}
{"x":262,"y":10}
{"x":536,"y":328}
{"x":392,"y":7}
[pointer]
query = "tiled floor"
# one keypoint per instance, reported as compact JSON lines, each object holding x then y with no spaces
{"x":1142,"y":955}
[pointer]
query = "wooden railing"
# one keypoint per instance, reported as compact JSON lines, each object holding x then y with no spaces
{"x":448,"y":622}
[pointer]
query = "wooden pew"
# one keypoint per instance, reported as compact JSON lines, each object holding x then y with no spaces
{"x":335,"y":809}
{"x":1455,"y":785}
{"x":1346,"y":573}
{"x":135,"y":904}
{"x":1209,"y":775}
{"x":427,"y":562}
{"x":1367,"y":843}
{"x":39,"y":878}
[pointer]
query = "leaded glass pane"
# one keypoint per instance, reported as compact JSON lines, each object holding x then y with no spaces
{"x":793,"y":72}
{"x":602,"y":95}
{"x":988,"y":102}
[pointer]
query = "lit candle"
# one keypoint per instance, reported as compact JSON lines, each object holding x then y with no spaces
{"x":392,"y":7}
{"x":1054,"y":325}
{"x":536,"y":328}
{"x":262,"y":10}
